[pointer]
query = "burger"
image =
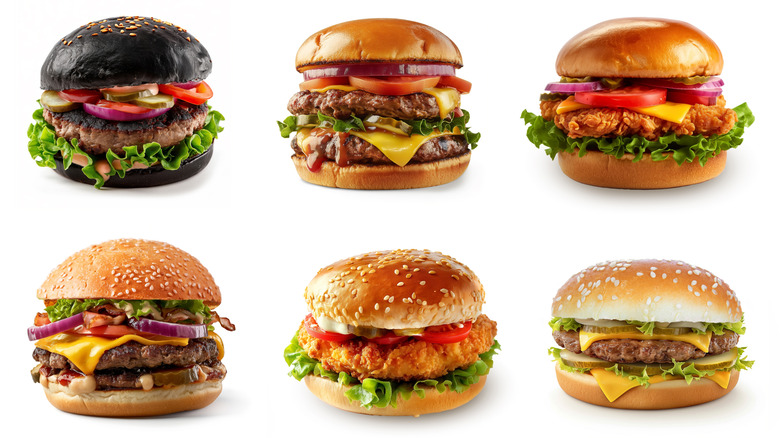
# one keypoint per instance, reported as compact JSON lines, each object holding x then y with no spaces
{"x":394,"y":333}
{"x":379,"y":107}
{"x":125,"y":105}
{"x":639,"y":105}
{"x":128,"y":331}
{"x":647,"y":334}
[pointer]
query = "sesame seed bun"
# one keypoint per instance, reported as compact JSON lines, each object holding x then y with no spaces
{"x":377,"y":40}
{"x":640,"y":48}
{"x":131,"y":269}
{"x":647,"y":290}
{"x":396,"y":290}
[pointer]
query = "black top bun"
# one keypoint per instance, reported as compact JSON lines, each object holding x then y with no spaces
{"x":125,"y":51}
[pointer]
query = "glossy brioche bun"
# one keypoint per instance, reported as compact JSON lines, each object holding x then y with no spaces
{"x":664,"y":395}
{"x":647,"y":290}
{"x":377,"y":40}
{"x":131,"y":269}
{"x":640,"y":48}
{"x":122,"y":51}
{"x":396,"y":290}
{"x":384,"y":177}
{"x":332,"y":393}
{"x":602,"y":170}
{"x":135,"y":402}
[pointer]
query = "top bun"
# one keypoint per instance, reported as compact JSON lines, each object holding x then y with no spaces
{"x":396,"y":290}
{"x":647,"y":290}
{"x":377,"y":40}
{"x":640,"y":48}
{"x":125,"y":51}
{"x":131,"y":269}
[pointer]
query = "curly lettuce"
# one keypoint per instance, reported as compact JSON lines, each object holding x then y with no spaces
{"x":382,"y":393}
{"x":682,"y":148}
{"x":567,"y":324}
{"x":44,"y":145}
{"x":66,"y":308}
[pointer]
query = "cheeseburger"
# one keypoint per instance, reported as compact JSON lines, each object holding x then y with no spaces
{"x":394,"y":333}
{"x":647,"y":334}
{"x":125,"y":105}
{"x":639,"y":105}
{"x":379,"y":107}
{"x":128,"y":331}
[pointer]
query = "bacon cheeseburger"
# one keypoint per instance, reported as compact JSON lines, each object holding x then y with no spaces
{"x":394,"y":333}
{"x":127,"y":332}
{"x":379,"y":107}
{"x":647,"y":334}
{"x":125,"y":105}
{"x":639,"y":106}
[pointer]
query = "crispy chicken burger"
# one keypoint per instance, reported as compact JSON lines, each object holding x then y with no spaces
{"x":647,"y":334}
{"x":394,"y":333}
{"x":125,"y":105}
{"x":128,"y":331}
{"x":379,"y":107}
{"x":639,"y":106}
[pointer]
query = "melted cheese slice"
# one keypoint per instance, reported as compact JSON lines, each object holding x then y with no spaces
{"x":613,"y":386}
{"x":670,"y":111}
{"x":446,"y":98}
{"x":398,"y":148}
{"x":702,"y":342}
{"x":85,"y":351}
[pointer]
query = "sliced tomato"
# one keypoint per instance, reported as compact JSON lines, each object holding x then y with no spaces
{"x":81,"y":96}
{"x":683,"y":97}
{"x":393,"y":85}
{"x":42,"y":319}
{"x":631,"y":96}
{"x":107,"y":331}
{"x":447,"y":334}
{"x":462,"y":85}
{"x":196,"y":95}
{"x":313,"y":329}
{"x":314,"y":84}
{"x":122,"y":106}
{"x":388,"y":338}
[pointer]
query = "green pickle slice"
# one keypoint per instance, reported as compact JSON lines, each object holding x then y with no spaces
{"x":156,"y":101}
{"x":52,"y":101}
{"x":389,"y":124}
{"x":179,"y":376}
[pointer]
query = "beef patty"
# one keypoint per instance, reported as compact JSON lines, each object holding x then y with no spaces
{"x":342,"y":104}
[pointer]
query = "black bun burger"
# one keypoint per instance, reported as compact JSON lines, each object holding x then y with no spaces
{"x":125,"y":105}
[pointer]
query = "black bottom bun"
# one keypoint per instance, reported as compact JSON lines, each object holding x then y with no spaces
{"x":135,"y":178}
{"x":332,"y":393}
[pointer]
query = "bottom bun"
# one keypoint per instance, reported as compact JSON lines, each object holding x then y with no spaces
{"x":332,"y":393}
{"x":664,"y":395}
{"x":602,"y":170}
{"x":135,"y":402}
{"x":384,"y":177}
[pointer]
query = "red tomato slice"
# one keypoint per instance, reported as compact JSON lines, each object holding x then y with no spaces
{"x":631,"y":96}
{"x":122,"y":106}
{"x":310,"y":324}
{"x":108,"y":331}
{"x":683,"y":97}
{"x":388,"y":338}
{"x":462,"y":85}
{"x":314,"y":84}
{"x":196,"y":95}
{"x":393,"y":85}
{"x":447,"y":334}
{"x":82,"y":96}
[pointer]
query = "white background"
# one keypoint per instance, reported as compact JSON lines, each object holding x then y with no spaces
{"x":514,"y":218}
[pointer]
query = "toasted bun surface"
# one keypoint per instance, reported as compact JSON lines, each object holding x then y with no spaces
{"x":332,"y":393}
{"x":384,"y":177}
{"x":602,"y":170}
{"x":664,"y":395}
{"x":640,"y":48}
{"x":376,"y":40}
{"x":395,"y":290}
{"x":125,"y":51}
{"x":647,"y":290}
{"x":131,"y":269}
{"x":136,"y":403}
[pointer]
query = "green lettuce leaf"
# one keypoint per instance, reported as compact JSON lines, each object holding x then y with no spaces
{"x":44,"y":145}
{"x":684,"y":148}
{"x":564,"y":323}
{"x":66,"y":308}
{"x":644,"y":327}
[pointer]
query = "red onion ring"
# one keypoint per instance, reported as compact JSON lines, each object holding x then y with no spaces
{"x":574,"y":87}
{"x":380,"y":69}
{"x":37,"y":332}
{"x":170,"y":329}
{"x":121,"y":116}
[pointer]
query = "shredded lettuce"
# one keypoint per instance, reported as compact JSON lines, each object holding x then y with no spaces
{"x":564,"y":323}
{"x":382,"y":393}
{"x":684,"y":148}
{"x":44,"y":145}
{"x":66,"y":308}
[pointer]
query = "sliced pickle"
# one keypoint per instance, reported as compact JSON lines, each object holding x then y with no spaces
{"x":409,"y":332}
{"x":706,"y":363}
{"x":691,"y":80}
{"x":307,"y":121}
{"x":612,"y":83}
{"x":611,"y":329}
{"x":670,"y":330}
{"x":653,"y":369}
{"x":568,"y":79}
{"x":54,"y":103}
{"x":155,"y":101}
{"x":179,"y":376}
{"x":389,"y":124}
{"x":583,"y":360}
{"x":553,"y":96}
{"x":126,"y":97}
{"x":36,"y":373}
{"x":369,"y":332}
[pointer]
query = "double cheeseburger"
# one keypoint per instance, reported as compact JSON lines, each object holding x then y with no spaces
{"x":639,"y":105}
{"x":394,"y":333}
{"x":125,"y":105}
{"x":647,"y":334}
{"x":379,"y":107}
{"x":128,"y":331}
